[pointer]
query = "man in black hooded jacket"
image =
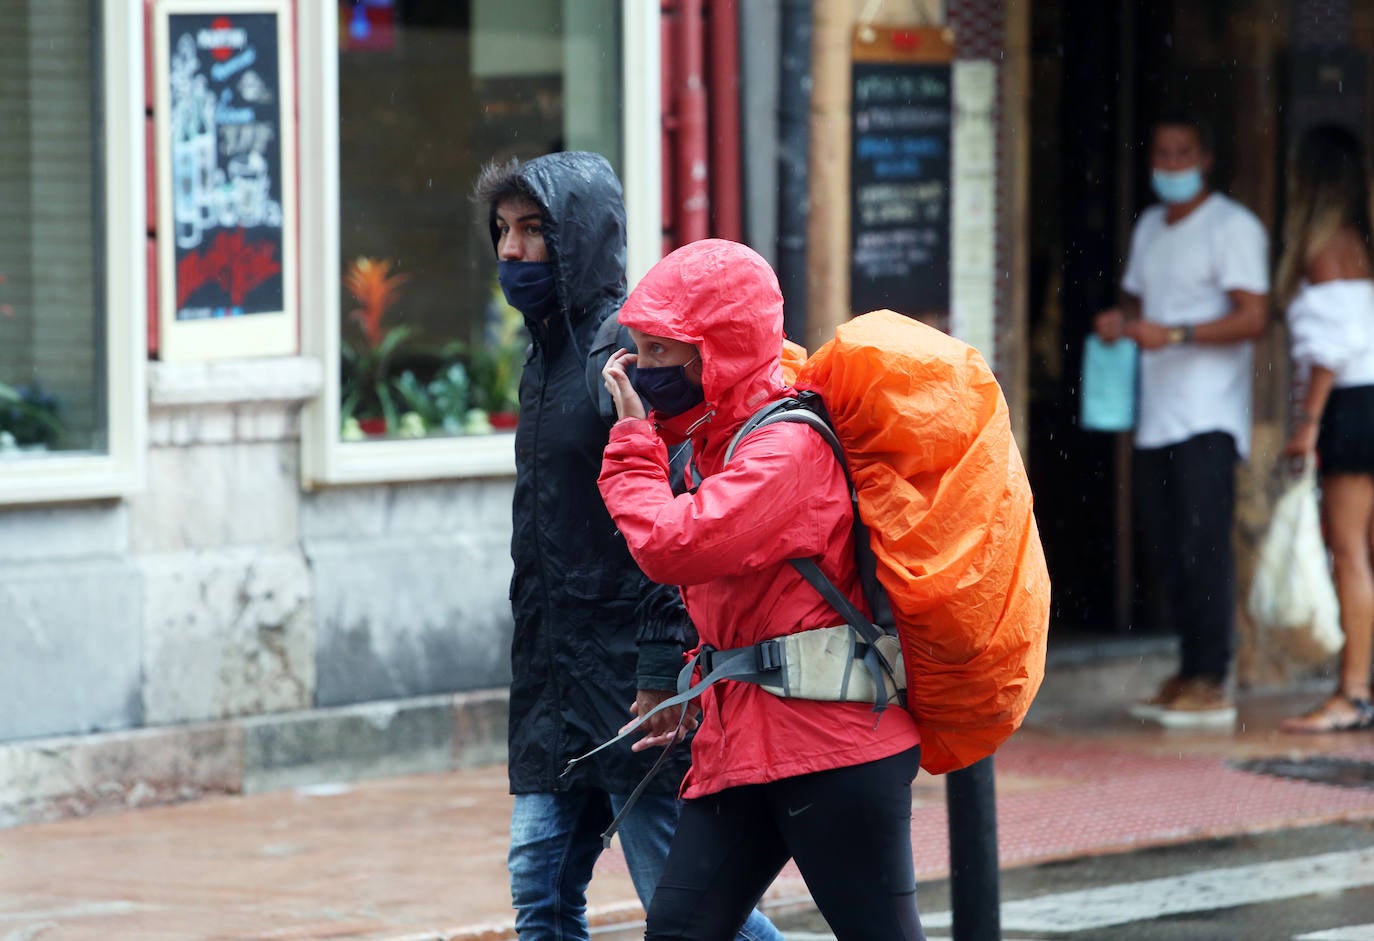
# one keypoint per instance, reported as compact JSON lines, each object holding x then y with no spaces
{"x":592,"y":634}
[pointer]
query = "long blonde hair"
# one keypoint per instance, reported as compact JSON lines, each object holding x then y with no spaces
{"x":1328,"y":191}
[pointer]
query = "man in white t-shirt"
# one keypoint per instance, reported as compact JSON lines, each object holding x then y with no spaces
{"x":1194,"y":300}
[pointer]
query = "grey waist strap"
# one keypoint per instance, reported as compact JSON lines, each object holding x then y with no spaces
{"x":733,"y":666}
{"x":829,"y":664}
{"x":738,"y":664}
{"x":821,"y":664}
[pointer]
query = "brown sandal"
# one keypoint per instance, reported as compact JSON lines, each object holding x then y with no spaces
{"x":1326,"y":719}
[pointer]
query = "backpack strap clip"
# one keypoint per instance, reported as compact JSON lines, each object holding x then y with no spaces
{"x":768,"y":656}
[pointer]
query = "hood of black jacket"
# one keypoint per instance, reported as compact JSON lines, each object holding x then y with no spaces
{"x":584,"y":227}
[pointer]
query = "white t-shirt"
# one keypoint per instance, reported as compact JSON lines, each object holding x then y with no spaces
{"x":1332,"y":325}
{"x":1181,"y":274}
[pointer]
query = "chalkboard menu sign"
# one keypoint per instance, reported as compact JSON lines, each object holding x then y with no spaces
{"x":900,"y":172}
{"x":226,"y":228}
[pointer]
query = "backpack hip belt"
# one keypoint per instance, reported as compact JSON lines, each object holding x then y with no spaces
{"x":828,"y":664}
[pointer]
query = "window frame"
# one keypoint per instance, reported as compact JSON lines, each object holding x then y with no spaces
{"x":325,"y":458}
{"x":57,"y":476}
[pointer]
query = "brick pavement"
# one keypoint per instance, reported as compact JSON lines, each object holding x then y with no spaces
{"x":422,"y":858}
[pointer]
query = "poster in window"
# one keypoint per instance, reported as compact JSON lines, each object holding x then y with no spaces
{"x":901,"y":123}
{"x":225,"y":143}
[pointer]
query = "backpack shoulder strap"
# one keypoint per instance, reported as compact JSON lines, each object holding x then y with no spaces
{"x":862,"y":626}
{"x":805,"y":408}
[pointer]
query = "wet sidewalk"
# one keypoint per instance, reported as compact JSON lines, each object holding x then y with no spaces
{"x":422,"y":858}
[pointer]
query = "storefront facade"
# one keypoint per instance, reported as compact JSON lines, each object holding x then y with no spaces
{"x":228,"y":565}
{"x":232,"y":572}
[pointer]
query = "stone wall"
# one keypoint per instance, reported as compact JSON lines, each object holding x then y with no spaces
{"x":223,"y":630}
{"x":52,"y":778}
{"x":411,"y":588}
{"x":228,"y":626}
{"x":70,"y":621}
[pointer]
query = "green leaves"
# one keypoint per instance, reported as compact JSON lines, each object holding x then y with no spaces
{"x":442,"y":403}
{"x":30,"y":415}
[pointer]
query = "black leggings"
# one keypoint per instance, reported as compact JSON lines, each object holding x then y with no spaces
{"x":849,"y":831}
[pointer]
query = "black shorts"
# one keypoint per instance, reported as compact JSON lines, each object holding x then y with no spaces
{"x":1345,"y":442}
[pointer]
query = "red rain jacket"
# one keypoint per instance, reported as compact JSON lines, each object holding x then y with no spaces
{"x":782,"y":496}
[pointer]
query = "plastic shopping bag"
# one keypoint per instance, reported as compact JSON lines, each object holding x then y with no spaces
{"x":1292,"y":600}
{"x":1107,"y":392}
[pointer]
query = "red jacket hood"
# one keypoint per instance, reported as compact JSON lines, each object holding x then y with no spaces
{"x":724,"y":298}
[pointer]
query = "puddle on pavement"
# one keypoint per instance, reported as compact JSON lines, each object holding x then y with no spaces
{"x":1337,"y":772}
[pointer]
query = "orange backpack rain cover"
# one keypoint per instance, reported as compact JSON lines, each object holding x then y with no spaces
{"x":944,"y":494}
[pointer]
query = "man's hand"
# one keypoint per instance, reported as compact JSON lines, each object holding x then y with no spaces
{"x":1148,"y":335}
{"x":1110,"y":325}
{"x":627,"y":404}
{"x":661,"y":729}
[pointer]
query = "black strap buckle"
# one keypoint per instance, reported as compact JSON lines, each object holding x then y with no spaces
{"x":768,"y":655}
{"x":706,"y":658}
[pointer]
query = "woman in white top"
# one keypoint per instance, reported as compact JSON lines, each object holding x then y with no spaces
{"x":1325,"y":274}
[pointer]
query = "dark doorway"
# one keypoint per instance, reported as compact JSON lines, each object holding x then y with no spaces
{"x":1080,"y":107}
{"x":1100,"y":72}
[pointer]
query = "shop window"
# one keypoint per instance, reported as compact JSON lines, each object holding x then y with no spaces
{"x":429,"y":91}
{"x":401,"y":103}
{"x":68,"y":308}
{"x":51,"y":318}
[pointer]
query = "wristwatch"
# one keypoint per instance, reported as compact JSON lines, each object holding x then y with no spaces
{"x":1179,"y":335}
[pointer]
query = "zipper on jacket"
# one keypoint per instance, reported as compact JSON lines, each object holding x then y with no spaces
{"x":551,"y":666}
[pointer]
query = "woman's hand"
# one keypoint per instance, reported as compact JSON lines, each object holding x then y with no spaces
{"x":664,"y":727}
{"x":627,"y":404}
{"x":1302,"y":444}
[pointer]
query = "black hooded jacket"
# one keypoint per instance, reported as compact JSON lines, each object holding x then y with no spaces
{"x":583,"y":610}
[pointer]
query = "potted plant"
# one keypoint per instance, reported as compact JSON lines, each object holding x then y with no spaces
{"x":495,"y":366}
{"x":29,"y":418}
{"x":368,"y":405}
{"x":496,"y":380}
{"x":438,"y":406}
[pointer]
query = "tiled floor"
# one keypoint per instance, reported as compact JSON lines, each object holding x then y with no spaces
{"x":424,"y":857}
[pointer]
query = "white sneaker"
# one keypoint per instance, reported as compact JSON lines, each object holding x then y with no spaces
{"x":1150,"y":708}
{"x":1203,"y":704}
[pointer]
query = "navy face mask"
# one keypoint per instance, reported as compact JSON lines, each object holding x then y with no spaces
{"x":667,"y":389}
{"x":530,"y":287}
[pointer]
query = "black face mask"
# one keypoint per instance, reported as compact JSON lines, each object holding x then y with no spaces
{"x":667,"y":389}
{"x":530,"y":287}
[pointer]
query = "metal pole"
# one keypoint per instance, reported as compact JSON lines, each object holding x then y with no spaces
{"x":794,"y":148}
{"x":691,"y":169}
{"x":723,"y":121}
{"x":974,"y":894}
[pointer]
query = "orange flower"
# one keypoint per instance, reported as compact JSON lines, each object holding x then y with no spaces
{"x":375,"y":288}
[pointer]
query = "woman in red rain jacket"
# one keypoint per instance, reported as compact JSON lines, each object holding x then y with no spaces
{"x":827,"y":784}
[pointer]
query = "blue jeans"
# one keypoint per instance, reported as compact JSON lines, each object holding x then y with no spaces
{"x":555,"y":840}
